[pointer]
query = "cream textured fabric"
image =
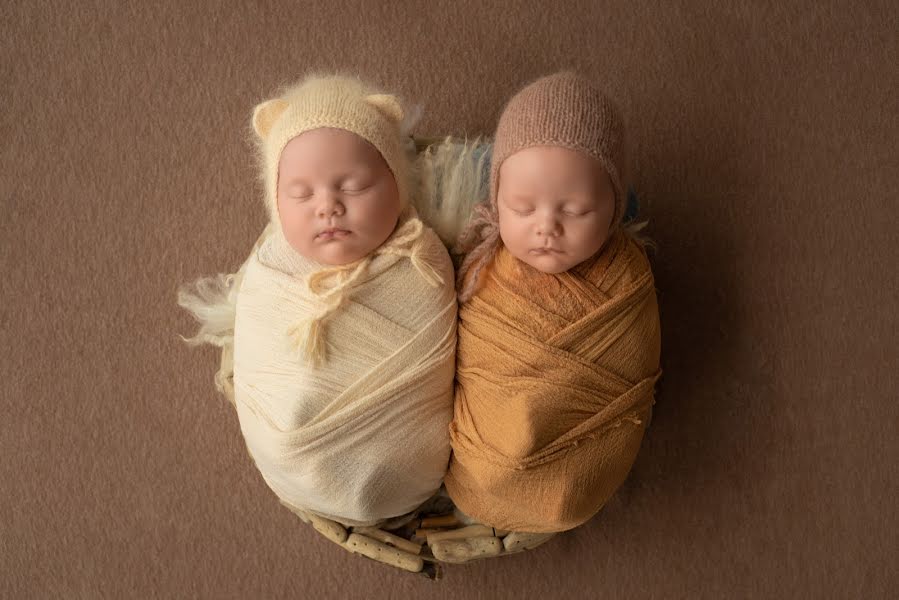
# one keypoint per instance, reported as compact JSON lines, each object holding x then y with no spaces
{"x":362,"y":437}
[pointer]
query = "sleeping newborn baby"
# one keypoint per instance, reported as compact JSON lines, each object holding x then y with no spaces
{"x":559,"y":332}
{"x":345,"y":327}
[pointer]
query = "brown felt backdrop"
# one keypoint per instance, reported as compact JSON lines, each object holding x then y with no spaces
{"x":764,"y":153}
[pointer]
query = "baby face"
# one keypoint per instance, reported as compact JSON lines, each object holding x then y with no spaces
{"x":337,"y":198}
{"x":555,"y":207}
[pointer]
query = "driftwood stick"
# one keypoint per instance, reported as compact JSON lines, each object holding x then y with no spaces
{"x":518,"y":540}
{"x":449,"y":520}
{"x":460,"y":551}
{"x":380,"y":552}
{"x":471,"y":531}
{"x":330,"y":529}
{"x":388,"y":538}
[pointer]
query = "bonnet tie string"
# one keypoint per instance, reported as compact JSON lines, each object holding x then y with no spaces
{"x":332,"y":286}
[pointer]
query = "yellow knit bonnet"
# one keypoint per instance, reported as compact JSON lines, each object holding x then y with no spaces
{"x":337,"y":101}
{"x":341,"y":102}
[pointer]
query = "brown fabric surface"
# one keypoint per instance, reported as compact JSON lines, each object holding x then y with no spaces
{"x":555,"y":376}
{"x":763,"y":148}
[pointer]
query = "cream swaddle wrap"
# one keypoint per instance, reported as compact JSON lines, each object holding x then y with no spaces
{"x":364,"y":436}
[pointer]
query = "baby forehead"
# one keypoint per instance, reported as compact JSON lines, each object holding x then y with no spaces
{"x":551,"y":168}
{"x":327,"y":152}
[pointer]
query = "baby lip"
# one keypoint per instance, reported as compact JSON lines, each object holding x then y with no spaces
{"x":331,"y":232}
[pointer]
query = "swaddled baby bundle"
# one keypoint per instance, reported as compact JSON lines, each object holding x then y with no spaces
{"x":343,"y":374}
{"x":555,"y":383}
{"x":555,"y":368}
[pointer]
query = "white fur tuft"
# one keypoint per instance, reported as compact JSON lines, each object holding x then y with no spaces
{"x":212,"y":302}
{"x":453,"y":179}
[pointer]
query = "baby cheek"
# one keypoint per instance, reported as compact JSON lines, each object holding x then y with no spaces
{"x":296,"y":222}
{"x":513,"y":233}
{"x":377,"y":217}
{"x":592,"y":235}
{"x":526,"y":226}
{"x":288,"y":214}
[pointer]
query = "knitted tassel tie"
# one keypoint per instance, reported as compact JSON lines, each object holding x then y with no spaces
{"x":479,"y":241}
{"x":333,"y":285}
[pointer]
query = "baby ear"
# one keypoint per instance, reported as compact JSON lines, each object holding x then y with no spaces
{"x":388,"y":105}
{"x":265,"y":115}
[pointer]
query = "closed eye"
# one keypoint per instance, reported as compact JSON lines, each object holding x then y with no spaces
{"x":354,"y":189}
{"x":572,"y":213}
{"x":523,"y":213}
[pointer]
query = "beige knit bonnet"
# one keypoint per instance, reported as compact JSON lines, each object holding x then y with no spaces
{"x":337,"y":101}
{"x":564,"y":110}
{"x":342,"y":102}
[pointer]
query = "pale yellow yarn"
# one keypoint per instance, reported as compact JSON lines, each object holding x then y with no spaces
{"x":333,"y":285}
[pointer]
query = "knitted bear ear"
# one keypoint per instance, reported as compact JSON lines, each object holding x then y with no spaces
{"x":265,"y":115}
{"x":388,"y":105}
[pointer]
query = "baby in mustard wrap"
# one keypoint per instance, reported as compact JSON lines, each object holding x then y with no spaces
{"x":559,"y":336}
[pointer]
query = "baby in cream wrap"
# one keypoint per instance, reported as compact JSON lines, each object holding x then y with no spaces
{"x":345,"y":327}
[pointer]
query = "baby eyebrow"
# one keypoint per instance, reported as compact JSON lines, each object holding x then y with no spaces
{"x":297,"y":191}
{"x":358,"y":173}
{"x":519,"y":204}
{"x":519,"y":208}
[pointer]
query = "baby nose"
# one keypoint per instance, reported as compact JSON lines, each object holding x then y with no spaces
{"x":548,"y":227}
{"x":331,"y":206}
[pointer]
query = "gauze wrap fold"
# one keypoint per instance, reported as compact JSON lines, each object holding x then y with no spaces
{"x":362,"y":437}
{"x":554,"y":389}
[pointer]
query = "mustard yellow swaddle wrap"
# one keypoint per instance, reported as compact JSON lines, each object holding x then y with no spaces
{"x":362,"y":437}
{"x":554,"y":388}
